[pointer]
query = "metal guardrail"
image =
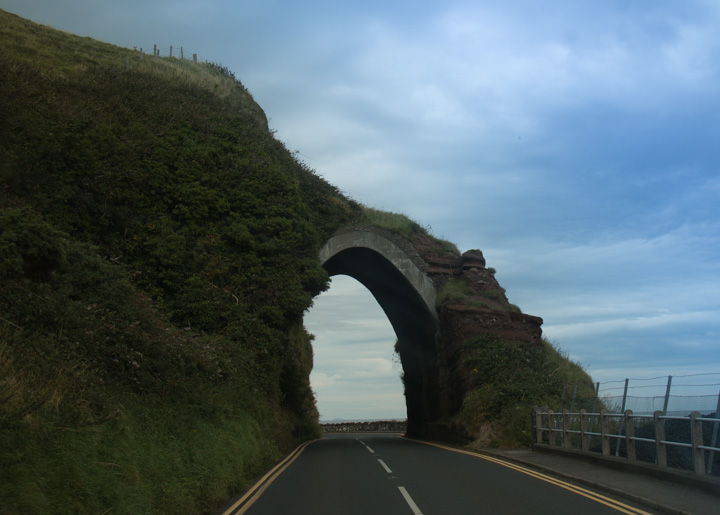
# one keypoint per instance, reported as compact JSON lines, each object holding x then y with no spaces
{"x":548,"y":426}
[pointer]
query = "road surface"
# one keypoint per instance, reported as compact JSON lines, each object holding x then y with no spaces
{"x":385,"y":474}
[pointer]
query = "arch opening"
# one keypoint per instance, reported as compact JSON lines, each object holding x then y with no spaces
{"x":356,"y":373}
{"x":407,"y":297}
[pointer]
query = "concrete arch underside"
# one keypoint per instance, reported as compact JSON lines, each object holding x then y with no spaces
{"x":407,"y":296}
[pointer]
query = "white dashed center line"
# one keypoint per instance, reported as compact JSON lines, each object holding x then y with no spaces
{"x":405,"y":494}
{"x":408,"y":499}
{"x":387,"y":469}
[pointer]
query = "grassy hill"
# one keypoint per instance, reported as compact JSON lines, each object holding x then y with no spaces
{"x":157,"y":252}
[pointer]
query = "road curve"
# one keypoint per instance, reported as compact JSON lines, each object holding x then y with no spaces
{"x":385,"y":474}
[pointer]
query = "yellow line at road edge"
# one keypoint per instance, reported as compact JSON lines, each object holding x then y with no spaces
{"x":617,"y":505}
{"x":252,"y":495}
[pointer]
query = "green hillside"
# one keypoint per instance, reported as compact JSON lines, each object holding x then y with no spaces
{"x":158,"y":249}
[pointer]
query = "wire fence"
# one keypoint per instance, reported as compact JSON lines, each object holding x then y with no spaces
{"x":177,"y":52}
{"x":673,"y":395}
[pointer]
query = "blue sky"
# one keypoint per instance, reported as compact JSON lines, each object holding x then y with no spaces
{"x":575,"y":143}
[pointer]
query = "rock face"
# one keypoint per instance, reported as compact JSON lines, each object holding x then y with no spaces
{"x":469,"y":304}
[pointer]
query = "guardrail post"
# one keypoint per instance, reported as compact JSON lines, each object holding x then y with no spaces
{"x":594,"y":406}
{"x":584,"y":437}
{"x":551,"y":427}
{"x":567,"y":444}
{"x":713,"y":440}
{"x":667,"y":395}
{"x":622,"y":410}
{"x":538,"y":425}
{"x":696,"y":439}
{"x":660,"y":446}
{"x":533,"y":424}
{"x":630,"y":435}
{"x":605,"y":432}
{"x":547,"y":425}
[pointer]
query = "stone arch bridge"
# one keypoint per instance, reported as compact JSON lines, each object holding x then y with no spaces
{"x":413,"y":280}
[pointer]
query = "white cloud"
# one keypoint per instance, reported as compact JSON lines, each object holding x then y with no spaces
{"x":616,"y":320}
{"x":322,"y":381}
{"x":369,"y":368}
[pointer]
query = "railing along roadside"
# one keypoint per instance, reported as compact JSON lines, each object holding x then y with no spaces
{"x":549,"y":425}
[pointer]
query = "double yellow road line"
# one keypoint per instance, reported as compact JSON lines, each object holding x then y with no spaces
{"x":252,"y":495}
{"x":607,"y":501}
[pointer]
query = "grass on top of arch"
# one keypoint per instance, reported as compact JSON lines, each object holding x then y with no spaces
{"x":401,"y":224}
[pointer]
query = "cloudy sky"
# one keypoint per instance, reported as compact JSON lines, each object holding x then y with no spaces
{"x":576,"y":143}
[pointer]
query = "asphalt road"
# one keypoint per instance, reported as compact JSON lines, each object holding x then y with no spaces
{"x":379,"y":474}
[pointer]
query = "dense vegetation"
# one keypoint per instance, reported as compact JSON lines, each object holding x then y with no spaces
{"x":157,"y":253}
{"x":508,"y":380}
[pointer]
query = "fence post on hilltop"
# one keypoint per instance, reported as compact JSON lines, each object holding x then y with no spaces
{"x":604,"y":432}
{"x":567,"y":444}
{"x":630,"y":435}
{"x":170,"y":50}
{"x":155,"y":50}
{"x":667,"y":395}
{"x":660,"y":446}
{"x":622,"y":410}
{"x":141,"y":53}
{"x":696,"y":439}
{"x":584,"y":436}
{"x":182,"y":55}
{"x":713,"y":441}
{"x":195,"y":58}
